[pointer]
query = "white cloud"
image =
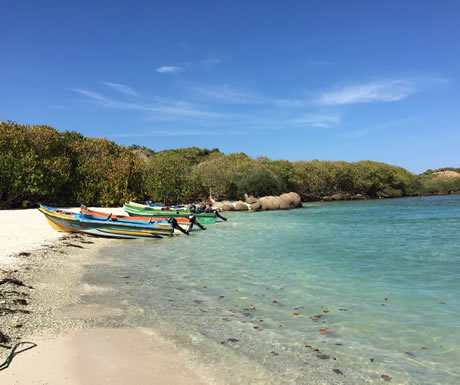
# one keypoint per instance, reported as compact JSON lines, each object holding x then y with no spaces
{"x":225,"y":93}
{"x":378,"y":91}
{"x":95,"y":97}
{"x":358,"y":133}
{"x":261,"y":117}
{"x":166,"y":109}
{"x":317,"y":120}
{"x":290,"y":102}
{"x":121,"y":88}
{"x":381,"y":91}
{"x":169,"y":69}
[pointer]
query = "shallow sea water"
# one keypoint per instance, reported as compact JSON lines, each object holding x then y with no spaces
{"x":374,"y":286}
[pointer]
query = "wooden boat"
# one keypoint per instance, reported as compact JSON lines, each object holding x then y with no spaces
{"x":63,"y":220}
{"x":137,"y":209}
{"x":159,"y":206}
{"x":183,"y":225}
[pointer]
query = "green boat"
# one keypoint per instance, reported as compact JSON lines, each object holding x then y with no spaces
{"x":137,"y":209}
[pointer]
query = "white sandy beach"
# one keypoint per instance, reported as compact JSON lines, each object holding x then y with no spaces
{"x":78,"y":356}
{"x":23,"y":230}
{"x":26,"y":230}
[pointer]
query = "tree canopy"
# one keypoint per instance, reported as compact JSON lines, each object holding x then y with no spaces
{"x":41,"y":164}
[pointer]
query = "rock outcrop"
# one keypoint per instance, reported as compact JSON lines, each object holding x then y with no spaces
{"x":227,"y":206}
{"x":256,"y":206}
{"x":241,"y":206}
{"x":446,"y":174}
{"x":291,"y":199}
{"x":283,"y":202}
{"x":264,"y":203}
{"x":249,"y":199}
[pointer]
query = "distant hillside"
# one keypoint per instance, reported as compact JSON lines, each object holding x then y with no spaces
{"x":440,"y":170}
{"x":440,"y":181}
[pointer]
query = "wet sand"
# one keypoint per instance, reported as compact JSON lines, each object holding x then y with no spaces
{"x":102,"y":356}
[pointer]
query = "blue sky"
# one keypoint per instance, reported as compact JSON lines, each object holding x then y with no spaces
{"x":296,"y":80}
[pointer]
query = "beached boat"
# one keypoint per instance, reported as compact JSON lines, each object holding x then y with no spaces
{"x":159,"y":206}
{"x":140,"y":210}
{"x":180,"y":224}
{"x":63,"y":220}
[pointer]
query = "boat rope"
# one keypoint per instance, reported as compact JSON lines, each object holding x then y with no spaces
{"x":15,"y":352}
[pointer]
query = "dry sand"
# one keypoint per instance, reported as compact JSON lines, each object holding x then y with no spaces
{"x":26,"y":230}
{"x":23,"y":230}
{"x":69,"y":351}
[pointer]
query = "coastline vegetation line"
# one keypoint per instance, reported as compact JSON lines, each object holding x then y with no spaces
{"x":41,"y":164}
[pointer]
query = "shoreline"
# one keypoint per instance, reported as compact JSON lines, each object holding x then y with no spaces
{"x":41,"y":301}
{"x":75,"y":345}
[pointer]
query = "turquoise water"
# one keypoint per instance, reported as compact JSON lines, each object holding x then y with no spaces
{"x":381,"y":277}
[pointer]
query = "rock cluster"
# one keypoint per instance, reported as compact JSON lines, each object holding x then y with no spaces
{"x":283,"y":202}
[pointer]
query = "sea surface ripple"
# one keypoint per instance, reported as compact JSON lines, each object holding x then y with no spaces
{"x":333,"y":293}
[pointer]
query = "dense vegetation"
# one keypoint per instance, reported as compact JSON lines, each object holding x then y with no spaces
{"x":41,"y":164}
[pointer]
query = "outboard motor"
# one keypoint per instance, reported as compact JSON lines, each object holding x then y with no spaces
{"x":176,"y":225}
{"x":194,"y":221}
